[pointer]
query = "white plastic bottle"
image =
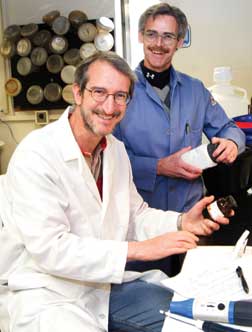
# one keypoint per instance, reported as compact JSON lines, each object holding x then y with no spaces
{"x":232,"y":98}
{"x":201,"y":156}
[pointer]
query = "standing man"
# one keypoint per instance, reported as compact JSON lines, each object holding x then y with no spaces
{"x":72,"y":218}
{"x":167,"y":116}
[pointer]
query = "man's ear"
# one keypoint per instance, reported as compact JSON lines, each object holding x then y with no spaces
{"x":140,"y":37}
{"x":180,"y":43}
{"x":77,"y":94}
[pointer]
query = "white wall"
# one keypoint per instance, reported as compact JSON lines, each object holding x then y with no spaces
{"x":221,"y":36}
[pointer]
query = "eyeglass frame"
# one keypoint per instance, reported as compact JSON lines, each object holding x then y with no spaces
{"x":109,"y":94}
{"x":152,"y":36}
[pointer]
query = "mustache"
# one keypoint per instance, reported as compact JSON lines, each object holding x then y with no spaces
{"x":159,"y":49}
{"x":101,"y":112}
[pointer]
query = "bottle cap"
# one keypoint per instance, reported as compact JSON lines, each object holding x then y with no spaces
{"x":24,"y":66}
{"x":12,"y":32}
{"x":210,"y":149}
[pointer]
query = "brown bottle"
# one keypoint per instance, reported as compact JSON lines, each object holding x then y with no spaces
{"x":222,"y":207}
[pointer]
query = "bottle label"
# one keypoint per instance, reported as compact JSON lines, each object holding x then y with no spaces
{"x":214,"y":211}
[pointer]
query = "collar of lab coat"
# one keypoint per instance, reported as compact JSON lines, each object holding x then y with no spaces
{"x":72,"y":155}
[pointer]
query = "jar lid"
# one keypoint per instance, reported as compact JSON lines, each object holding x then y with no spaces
{"x":104,"y":24}
{"x":54,"y":63}
{"x":77,"y":17}
{"x":52,"y":92}
{"x":13,"y":87}
{"x":87,"y":32}
{"x":8,"y":48}
{"x":50,"y":17}
{"x":24,"y":66}
{"x":39,"y":56}
{"x":67,"y":74}
{"x":42,"y":38}
{"x":29,"y":30}
{"x":104,"y":41}
{"x":34,"y":94}
{"x":67,"y":94}
{"x":24,"y":47}
{"x":58,"y":44}
{"x":72,"y":56}
{"x":61,"y":25}
{"x":87,"y":50}
{"x":12,"y":32}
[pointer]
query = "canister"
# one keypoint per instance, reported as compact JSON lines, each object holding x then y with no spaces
{"x":67,"y":74}
{"x":104,"y":41}
{"x":77,"y":17}
{"x":52,"y":92}
{"x":54,"y":63}
{"x":104,"y":24}
{"x":61,"y":25}
{"x":39,"y":56}
{"x":34,"y":94}
{"x":87,"y":32}
{"x":13,"y":87}
{"x":87,"y":49}
{"x":50,"y":17}
{"x":67,"y":94}
{"x":24,"y":47}
{"x":28,"y":30}
{"x":24,"y":66}
{"x":8,"y":49}
{"x":58,"y":44}
{"x":72,"y":56}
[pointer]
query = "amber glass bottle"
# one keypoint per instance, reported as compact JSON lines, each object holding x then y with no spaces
{"x":222,"y":207}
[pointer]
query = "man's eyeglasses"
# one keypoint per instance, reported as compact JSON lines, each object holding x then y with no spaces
{"x":100,"y":95}
{"x":168,"y":38}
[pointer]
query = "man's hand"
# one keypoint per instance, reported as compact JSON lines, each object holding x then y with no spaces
{"x":193,"y":220}
{"x":174,"y":166}
{"x":162,"y":246}
{"x":226,"y":151}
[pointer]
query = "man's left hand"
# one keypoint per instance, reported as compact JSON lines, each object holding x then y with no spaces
{"x":193,"y":220}
{"x":226,"y":151}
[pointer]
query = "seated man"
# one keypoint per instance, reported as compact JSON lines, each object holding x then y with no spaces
{"x":73,"y":218}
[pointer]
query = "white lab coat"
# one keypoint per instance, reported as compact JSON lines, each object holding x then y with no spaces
{"x":66,"y":238}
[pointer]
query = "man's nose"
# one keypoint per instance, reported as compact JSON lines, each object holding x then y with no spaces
{"x":159,"y":40}
{"x":109,"y":104}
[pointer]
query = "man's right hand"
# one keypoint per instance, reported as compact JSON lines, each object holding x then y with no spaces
{"x":162,"y":246}
{"x":174,"y":166}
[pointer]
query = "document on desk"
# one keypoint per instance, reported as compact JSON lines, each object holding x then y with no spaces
{"x":209,"y":272}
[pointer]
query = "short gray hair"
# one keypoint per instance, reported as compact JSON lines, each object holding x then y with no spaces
{"x":164,"y":9}
{"x":81,"y":74}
